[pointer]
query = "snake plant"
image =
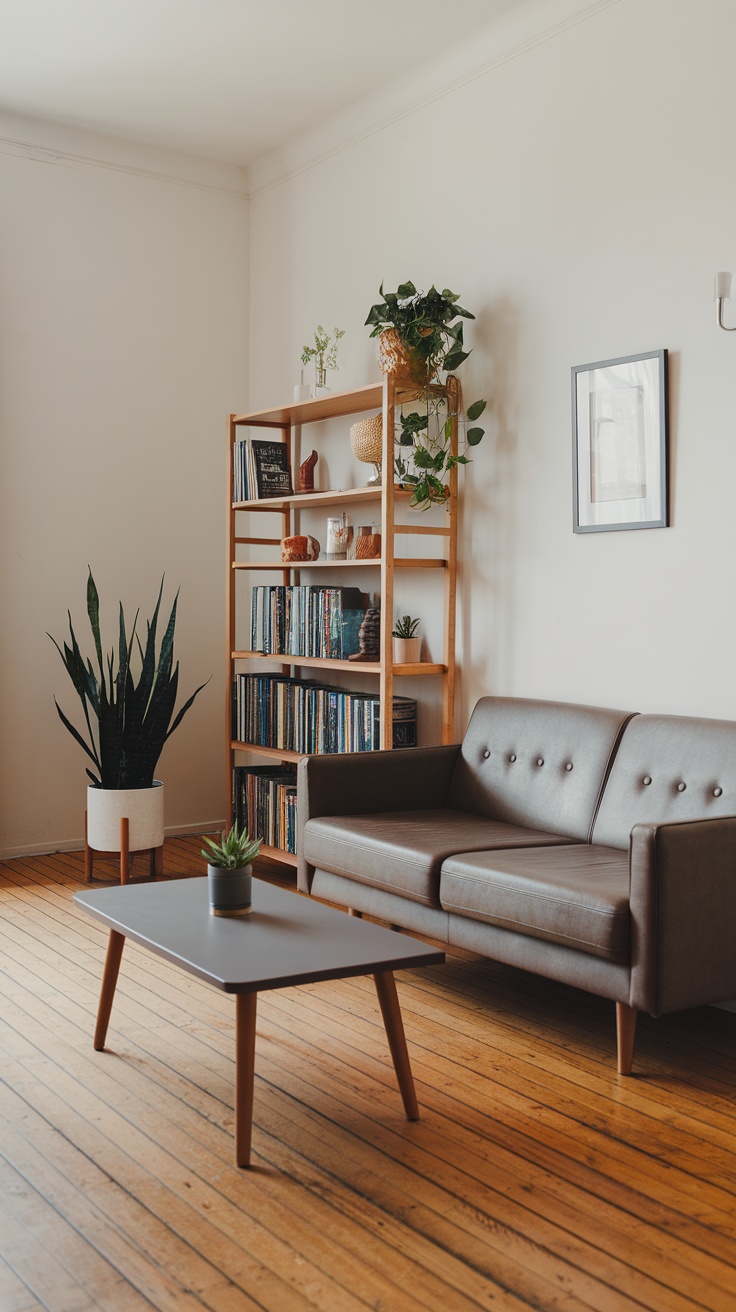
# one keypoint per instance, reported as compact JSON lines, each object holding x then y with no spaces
{"x":127,"y":713}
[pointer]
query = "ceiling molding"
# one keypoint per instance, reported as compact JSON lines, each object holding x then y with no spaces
{"x":268,"y":172}
{"x":69,"y":159}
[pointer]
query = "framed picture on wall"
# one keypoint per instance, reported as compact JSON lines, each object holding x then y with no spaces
{"x":619,"y":464}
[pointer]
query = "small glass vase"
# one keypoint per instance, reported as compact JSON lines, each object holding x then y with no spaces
{"x":320,"y":382}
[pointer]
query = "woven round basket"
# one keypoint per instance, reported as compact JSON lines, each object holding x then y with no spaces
{"x":396,"y":358}
{"x":365,"y":439}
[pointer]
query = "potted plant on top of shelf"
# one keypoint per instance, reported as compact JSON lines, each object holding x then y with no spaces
{"x":420,"y":336}
{"x":419,"y":333}
{"x":128,"y":711}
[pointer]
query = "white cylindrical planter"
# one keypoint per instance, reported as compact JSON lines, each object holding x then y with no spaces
{"x":407,"y":651}
{"x":230,"y":891}
{"x":143,"y":807}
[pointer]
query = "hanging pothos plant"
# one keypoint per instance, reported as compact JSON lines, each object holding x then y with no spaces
{"x":428,"y":329}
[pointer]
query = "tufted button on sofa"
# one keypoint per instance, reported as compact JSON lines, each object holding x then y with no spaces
{"x":592,"y":846}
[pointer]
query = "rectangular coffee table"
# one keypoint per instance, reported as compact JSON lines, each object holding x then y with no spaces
{"x":287,"y":940}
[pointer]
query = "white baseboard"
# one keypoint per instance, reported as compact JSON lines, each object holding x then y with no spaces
{"x":77,"y":844}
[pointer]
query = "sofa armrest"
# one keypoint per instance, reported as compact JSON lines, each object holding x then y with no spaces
{"x":683,"y":913}
{"x":357,"y":783}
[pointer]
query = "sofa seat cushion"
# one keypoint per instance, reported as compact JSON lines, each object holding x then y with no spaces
{"x":403,"y":851}
{"x":577,"y":896}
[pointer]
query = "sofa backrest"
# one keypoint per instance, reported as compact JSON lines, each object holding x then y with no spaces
{"x":534,"y":763}
{"x":668,"y":767}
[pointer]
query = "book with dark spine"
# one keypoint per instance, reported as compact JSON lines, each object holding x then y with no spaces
{"x":272,"y":469}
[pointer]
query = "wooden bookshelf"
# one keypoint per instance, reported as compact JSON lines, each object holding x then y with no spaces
{"x":385,"y":396}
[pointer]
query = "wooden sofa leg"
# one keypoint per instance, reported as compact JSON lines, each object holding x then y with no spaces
{"x":625,"y":1032}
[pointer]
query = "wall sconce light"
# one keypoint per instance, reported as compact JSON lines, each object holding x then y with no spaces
{"x":722,"y":293}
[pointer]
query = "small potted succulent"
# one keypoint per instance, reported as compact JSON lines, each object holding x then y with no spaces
{"x":229,"y":871}
{"x":407,"y":646}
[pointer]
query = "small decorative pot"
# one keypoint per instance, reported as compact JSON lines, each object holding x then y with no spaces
{"x":230,"y":890}
{"x":407,"y":651}
{"x":143,"y":807}
{"x":367,"y":542}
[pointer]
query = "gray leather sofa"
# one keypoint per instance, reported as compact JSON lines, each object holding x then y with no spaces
{"x":592,"y":846}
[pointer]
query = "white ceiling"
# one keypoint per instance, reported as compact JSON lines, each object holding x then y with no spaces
{"x":224,"y":79}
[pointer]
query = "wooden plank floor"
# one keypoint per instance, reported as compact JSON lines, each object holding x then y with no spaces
{"x":537,"y":1178}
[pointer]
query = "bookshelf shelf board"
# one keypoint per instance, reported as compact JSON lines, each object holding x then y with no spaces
{"x":334,"y":405}
{"x":400,"y":562}
{"x":281,"y":754}
{"x":278,"y":854}
{"x":275,"y":753}
{"x":356,"y":667}
{"x":304,"y":500}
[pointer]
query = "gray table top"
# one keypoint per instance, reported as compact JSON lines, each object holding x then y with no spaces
{"x":288,"y":939}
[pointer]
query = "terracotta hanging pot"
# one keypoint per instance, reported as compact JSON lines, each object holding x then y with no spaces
{"x":395,"y":357}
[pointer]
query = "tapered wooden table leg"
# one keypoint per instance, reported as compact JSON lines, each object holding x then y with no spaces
{"x":391,"y":1012}
{"x":245,"y":1054}
{"x":107,"y":992}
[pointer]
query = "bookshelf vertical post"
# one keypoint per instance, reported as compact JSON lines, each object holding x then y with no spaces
{"x":230,"y":602}
{"x":386,"y":678}
{"x":450,"y":599}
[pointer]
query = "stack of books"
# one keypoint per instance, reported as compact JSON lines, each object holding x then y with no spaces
{"x":302,"y":715}
{"x":264,"y":801}
{"x":306,"y":620}
{"x":261,"y":470}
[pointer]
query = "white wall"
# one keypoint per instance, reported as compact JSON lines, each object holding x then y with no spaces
{"x":571,"y":174}
{"x":123,"y":345}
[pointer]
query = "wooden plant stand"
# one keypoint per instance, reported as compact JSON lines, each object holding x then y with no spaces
{"x":155,"y":855}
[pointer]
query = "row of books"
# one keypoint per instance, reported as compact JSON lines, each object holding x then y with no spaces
{"x":261,"y":469}
{"x":307,"y":620}
{"x":302,"y":715}
{"x":264,"y":801}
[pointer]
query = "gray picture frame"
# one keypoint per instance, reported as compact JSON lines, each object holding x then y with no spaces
{"x":620,"y":444}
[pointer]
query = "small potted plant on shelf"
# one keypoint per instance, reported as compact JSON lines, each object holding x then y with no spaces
{"x":230,"y":872}
{"x":420,"y":335}
{"x":128,"y":707}
{"x":407,"y":647}
{"x":324,"y":354}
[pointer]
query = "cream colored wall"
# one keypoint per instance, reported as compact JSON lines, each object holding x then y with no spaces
{"x":571,"y":175}
{"x":123,"y":345}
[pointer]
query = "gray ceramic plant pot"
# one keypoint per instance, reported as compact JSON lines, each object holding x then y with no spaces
{"x":230,"y":891}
